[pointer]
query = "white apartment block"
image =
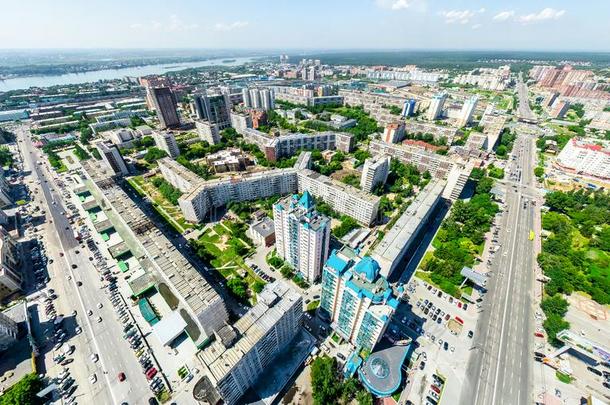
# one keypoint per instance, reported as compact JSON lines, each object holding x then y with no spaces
{"x":177,"y":175}
{"x":486,"y":78}
{"x":438,"y":165}
{"x":302,"y":235}
{"x":435,"y":110}
{"x":240,"y":121}
{"x":467,"y":111}
{"x":394,"y":132}
{"x":167,"y":142}
{"x":244,"y":351}
{"x":341,"y":197}
{"x":208,"y":195}
{"x":208,"y":132}
{"x":586,"y":158}
{"x":375,"y":171}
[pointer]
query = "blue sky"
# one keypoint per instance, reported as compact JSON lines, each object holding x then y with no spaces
{"x":309,"y":24}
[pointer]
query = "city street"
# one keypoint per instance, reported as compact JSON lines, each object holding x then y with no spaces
{"x":501,"y":367}
{"x":102,"y":338}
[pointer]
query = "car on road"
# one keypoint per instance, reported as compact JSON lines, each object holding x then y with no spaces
{"x":122,"y":376}
{"x":470,"y":334}
{"x":422,"y":365}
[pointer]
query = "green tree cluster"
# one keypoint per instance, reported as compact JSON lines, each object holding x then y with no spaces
{"x":153,"y":154}
{"x":81,"y":153}
{"x":329,"y":388}
{"x":460,"y":237}
{"x":23,"y":392}
{"x":168,"y":191}
{"x":347,"y":225}
{"x":238,"y":287}
{"x":6,"y":157}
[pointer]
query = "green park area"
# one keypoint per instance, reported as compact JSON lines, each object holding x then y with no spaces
{"x":460,"y":239}
{"x":575,"y":252}
{"x":164,"y":199}
{"x":224,"y":247}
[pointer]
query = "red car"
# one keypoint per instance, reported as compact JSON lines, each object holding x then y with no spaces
{"x":122,"y":376}
{"x":151,"y":373}
{"x":457,"y":318}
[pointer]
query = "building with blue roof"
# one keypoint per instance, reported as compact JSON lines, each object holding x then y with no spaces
{"x":302,"y":235}
{"x":356,"y":298}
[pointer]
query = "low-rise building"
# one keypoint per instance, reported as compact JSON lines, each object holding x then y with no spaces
{"x":262,"y":231}
{"x":585,"y":157}
{"x":8,"y":332}
{"x":228,"y":160}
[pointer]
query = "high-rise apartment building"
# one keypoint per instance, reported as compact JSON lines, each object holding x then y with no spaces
{"x":165,"y":105}
{"x":245,"y":350}
{"x":214,"y":109}
{"x":208,"y":132}
{"x":112,"y":157}
{"x":10,"y":277}
{"x":261,"y":99}
{"x":375,"y":171}
{"x":435,"y":110}
{"x":357,"y":300}
{"x":302,"y":235}
{"x":240,"y":121}
{"x":559,"y":109}
{"x":408,"y":108}
{"x":394,"y":132}
{"x":167,"y":141}
{"x":467,"y":111}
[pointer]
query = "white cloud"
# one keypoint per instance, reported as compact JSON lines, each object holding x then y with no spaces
{"x":460,"y":16}
{"x":504,"y":15}
{"x":230,"y":27}
{"x":476,"y":26}
{"x":394,"y":4}
{"x":543,"y":15}
{"x":136,"y":26}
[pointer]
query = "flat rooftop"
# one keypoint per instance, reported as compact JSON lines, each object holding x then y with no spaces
{"x":393,"y":243}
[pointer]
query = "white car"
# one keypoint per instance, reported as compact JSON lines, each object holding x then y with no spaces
{"x":94,"y":358}
{"x":78,"y":330}
{"x":99,"y":319}
{"x":99,"y":305}
{"x":92,"y":378}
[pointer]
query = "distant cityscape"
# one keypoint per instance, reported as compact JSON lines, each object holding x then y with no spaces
{"x":296,"y":230}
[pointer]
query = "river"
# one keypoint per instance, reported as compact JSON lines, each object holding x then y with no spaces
{"x":19,"y":83}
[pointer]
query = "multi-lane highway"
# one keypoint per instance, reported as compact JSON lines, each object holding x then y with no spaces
{"x":524,"y":112}
{"x":102,"y":338}
{"x":500,"y":368}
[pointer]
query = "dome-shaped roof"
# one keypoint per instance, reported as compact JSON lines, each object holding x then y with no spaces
{"x":368,"y":268}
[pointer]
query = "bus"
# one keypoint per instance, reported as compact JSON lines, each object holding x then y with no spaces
{"x":531,"y":237}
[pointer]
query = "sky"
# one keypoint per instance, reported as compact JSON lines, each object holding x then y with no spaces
{"x":310,"y":24}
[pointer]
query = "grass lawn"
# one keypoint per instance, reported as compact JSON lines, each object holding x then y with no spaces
{"x":313,"y":305}
{"x":225,"y":257}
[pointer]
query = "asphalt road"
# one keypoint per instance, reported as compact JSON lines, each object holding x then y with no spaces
{"x":501,"y":367}
{"x":103,"y":338}
{"x":524,"y":111}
